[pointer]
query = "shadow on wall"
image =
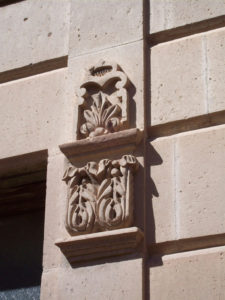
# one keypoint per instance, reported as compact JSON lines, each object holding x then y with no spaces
{"x":153,"y":159}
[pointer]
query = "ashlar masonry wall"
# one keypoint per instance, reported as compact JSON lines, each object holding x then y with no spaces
{"x":156,"y":69}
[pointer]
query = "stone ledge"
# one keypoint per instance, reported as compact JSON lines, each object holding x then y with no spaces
{"x":130,"y":137}
{"x":101,"y":244}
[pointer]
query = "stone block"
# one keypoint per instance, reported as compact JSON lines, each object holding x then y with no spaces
{"x":101,"y":24}
{"x":189,"y":275}
{"x":200,"y":186}
{"x":171,"y":14}
{"x":122,"y":55}
{"x":36,"y":114}
{"x":161,"y":196}
{"x":178,"y":82}
{"x":33,"y":31}
{"x":114,"y":280}
{"x":49,"y":284}
{"x":55,"y":211}
{"x":215,"y":46}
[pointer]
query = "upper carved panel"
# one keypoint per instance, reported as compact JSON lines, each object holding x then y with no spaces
{"x":100,"y":195}
{"x":103,"y":101}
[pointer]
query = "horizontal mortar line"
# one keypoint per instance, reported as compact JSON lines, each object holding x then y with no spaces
{"x":34,"y":69}
{"x":189,"y":244}
{"x":186,"y":30}
{"x":195,"y":123}
{"x":105,"y":49}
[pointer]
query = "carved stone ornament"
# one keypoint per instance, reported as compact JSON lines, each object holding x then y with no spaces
{"x":103,"y":101}
{"x":100,"y":195}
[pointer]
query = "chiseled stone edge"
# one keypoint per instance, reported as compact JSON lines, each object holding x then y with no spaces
{"x":108,"y":141}
{"x":101,"y":244}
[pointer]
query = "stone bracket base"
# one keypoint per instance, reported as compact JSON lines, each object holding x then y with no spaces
{"x":101,"y":244}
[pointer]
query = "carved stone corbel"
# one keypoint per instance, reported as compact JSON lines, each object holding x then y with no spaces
{"x":100,"y":195}
{"x":103,"y":101}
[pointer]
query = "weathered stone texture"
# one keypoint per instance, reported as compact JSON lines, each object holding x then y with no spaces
{"x":189,"y":275}
{"x":190,"y":185}
{"x":200,"y":163}
{"x":101,"y":24}
{"x":55,"y":212}
{"x":114,"y":280}
{"x":177,"y":70}
{"x":215,"y":47}
{"x":172,"y":14}
{"x":36,"y":114}
{"x":187,"y":77}
{"x":33,"y":31}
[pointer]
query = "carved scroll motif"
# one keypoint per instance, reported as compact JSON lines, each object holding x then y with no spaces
{"x":103,"y":101}
{"x":100,"y":195}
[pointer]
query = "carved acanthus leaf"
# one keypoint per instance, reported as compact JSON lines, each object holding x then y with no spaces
{"x":100,"y":195}
{"x":103,"y":117}
{"x":103,"y":101}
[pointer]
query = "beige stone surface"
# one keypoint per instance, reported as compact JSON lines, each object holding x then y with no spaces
{"x":197,"y":275}
{"x":55,"y":211}
{"x":33,"y":31}
{"x":36,"y":113}
{"x":200,"y":164}
{"x":101,"y":24}
{"x":99,"y":245}
{"x":187,"y":171}
{"x":177,"y":80}
{"x":49,"y":284}
{"x":122,"y":55}
{"x":114,"y":280}
{"x":174,"y":13}
{"x":162,"y":173}
{"x":215,"y":46}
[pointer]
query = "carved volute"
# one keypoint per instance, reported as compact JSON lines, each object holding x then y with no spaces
{"x":103,"y":101}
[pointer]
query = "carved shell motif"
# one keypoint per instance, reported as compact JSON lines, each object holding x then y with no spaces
{"x":103,"y":101}
{"x":100,"y":195}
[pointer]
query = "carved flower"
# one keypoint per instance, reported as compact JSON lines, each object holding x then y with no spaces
{"x":103,"y":117}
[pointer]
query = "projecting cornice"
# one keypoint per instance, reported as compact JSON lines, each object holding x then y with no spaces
{"x":129,"y":138}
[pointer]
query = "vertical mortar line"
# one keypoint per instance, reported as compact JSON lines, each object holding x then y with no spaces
{"x":176,"y":200}
{"x":205,"y":64}
{"x":146,"y":100}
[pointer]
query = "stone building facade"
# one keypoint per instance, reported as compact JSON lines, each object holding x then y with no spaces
{"x":112,"y":149}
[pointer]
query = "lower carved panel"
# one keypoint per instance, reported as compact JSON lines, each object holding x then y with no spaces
{"x":100,"y":195}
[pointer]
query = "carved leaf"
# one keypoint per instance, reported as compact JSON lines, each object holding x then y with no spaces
{"x":69,"y":173}
{"x":110,"y":112}
{"x":103,"y":114}
{"x":110,"y":213}
{"x":87,"y":128}
{"x":119,"y":187}
{"x":99,"y":195}
{"x":102,"y":167}
{"x":81,"y":218}
{"x":103,"y":100}
{"x":105,"y":189}
{"x":91,"y":117}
